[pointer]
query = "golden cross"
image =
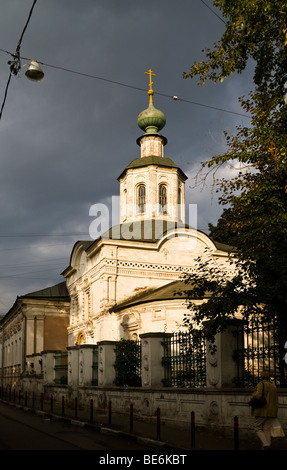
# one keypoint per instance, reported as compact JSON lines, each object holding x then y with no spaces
{"x":150,"y":92}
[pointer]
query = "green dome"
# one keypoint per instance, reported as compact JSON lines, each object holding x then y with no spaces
{"x":151,"y":120}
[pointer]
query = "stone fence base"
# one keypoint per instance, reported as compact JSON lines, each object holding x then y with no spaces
{"x":212,"y":408}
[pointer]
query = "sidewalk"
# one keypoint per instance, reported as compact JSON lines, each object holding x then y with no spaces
{"x":161,"y":433}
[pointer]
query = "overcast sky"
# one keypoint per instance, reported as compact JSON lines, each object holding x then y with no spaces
{"x":65,"y":140}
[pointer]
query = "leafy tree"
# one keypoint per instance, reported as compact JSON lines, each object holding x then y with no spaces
{"x":255,"y":29}
{"x":254,"y":218}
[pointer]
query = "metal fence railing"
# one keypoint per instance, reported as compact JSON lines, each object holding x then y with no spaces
{"x":128,"y":363}
{"x":257,"y":350}
{"x":184,"y":360}
{"x":95,"y":365}
{"x":61,"y":367}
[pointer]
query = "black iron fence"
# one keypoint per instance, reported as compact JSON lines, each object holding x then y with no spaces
{"x":128,"y":363}
{"x":258,"y":350}
{"x":95,"y":365}
{"x":61,"y":367}
{"x":184,"y":360}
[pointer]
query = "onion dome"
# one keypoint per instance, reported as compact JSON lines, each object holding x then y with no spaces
{"x":151,"y":120}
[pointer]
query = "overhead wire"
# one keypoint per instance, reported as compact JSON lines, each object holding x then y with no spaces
{"x":174,"y":97}
{"x":214,"y":12}
{"x":15,"y":235}
{"x":115,"y":82}
{"x":5,"y":95}
{"x":15,"y":65}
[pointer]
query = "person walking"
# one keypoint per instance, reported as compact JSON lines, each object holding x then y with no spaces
{"x":264,"y":415}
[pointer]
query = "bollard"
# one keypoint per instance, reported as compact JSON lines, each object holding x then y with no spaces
{"x":236,"y":434}
{"x":51,"y":403}
{"x":110,"y":412}
{"x":33,"y":399}
{"x":63,"y":405}
{"x":192,"y":424}
{"x":91,"y":410}
{"x":158,"y":423}
{"x":131,"y":417}
{"x":26,"y":398}
{"x":42,"y":401}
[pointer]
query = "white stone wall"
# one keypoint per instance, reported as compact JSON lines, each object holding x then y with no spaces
{"x":152,"y":176}
{"x":151,"y":145}
{"x":12,"y":338}
{"x":112,"y":271}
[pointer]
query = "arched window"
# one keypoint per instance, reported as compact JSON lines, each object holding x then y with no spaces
{"x":179,"y":204}
{"x":162,"y":198}
{"x":141,"y":198}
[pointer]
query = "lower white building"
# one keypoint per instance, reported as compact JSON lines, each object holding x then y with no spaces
{"x":36,"y":322}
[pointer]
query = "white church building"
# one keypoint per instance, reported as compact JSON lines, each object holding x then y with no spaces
{"x":127,"y":281}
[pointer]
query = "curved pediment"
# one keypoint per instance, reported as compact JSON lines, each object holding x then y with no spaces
{"x":189,"y":240}
{"x":78,"y":258}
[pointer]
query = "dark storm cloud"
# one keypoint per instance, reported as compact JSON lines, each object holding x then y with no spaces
{"x":65,"y":141}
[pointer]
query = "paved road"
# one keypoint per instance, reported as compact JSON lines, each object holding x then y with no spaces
{"x":23,"y":430}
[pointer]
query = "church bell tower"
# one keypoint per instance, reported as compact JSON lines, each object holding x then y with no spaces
{"x":152,"y":186}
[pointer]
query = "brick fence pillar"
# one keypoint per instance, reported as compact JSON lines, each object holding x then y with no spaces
{"x":221,"y":367}
{"x":152,"y":354}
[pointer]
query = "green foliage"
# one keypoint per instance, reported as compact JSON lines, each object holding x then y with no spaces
{"x":127,"y":364}
{"x":255,"y":29}
{"x":254,"y":218}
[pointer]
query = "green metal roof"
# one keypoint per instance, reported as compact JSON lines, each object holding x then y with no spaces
{"x":144,"y":230}
{"x":152,"y":160}
{"x":59,"y":291}
{"x":171,"y":291}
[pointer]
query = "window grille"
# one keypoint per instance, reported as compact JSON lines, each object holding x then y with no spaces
{"x":141,"y":198}
{"x":162,"y":197}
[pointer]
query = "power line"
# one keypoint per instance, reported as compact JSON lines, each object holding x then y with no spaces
{"x":15,"y":64}
{"x":15,"y":235}
{"x":32,"y":246}
{"x":214,"y":12}
{"x":208,"y":106}
{"x":175,"y":98}
{"x":115,"y":82}
{"x":25,"y":27}
{"x":19,"y":275}
{"x":5,"y":96}
{"x":34,"y":263}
